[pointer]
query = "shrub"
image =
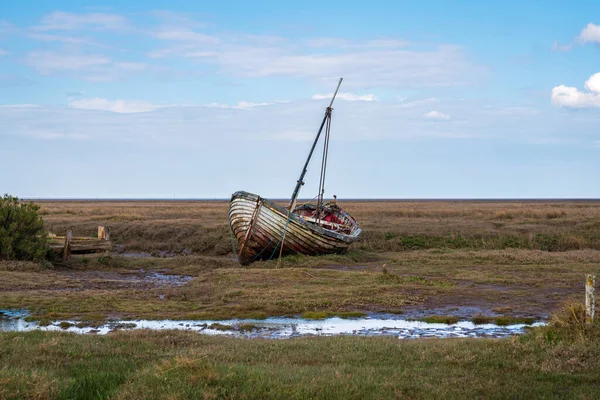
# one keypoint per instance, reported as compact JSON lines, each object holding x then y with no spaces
{"x":22,"y":234}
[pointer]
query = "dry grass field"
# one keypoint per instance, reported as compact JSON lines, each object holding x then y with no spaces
{"x":201,"y":226}
{"x":485,"y":261}
{"x":442,"y":258}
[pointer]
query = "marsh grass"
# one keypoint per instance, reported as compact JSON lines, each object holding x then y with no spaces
{"x":221,"y":327}
{"x":515,"y":282}
{"x":502,"y":320}
{"x":330,"y":314}
{"x":441,"y":319}
{"x":201,"y":226}
{"x":176,"y":364}
{"x":570,"y":323}
{"x":519,"y":258}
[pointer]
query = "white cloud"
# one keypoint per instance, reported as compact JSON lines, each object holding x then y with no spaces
{"x":356,"y":44}
{"x":59,"y":20}
{"x":436,"y":115}
{"x":249,"y":104}
{"x":113,"y":72}
{"x":195,"y":127}
{"x":118,"y":106}
{"x":512,"y":110}
{"x":50,"y":135}
{"x":571,"y":97}
{"x":185,"y":35}
{"x":47,"y":62}
{"x":241,"y":105}
{"x":76,"y":40}
{"x":561,"y":47}
{"x":19,"y":106}
{"x":414,"y":103}
{"x":593,"y":84}
{"x":3,"y":52}
{"x":160,"y":53}
{"x":92,"y":67}
{"x":366,"y":68}
{"x":346,"y":96}
{"x":365,"y":63}
{"x":590,"y":34}
{"x":292,"y":136}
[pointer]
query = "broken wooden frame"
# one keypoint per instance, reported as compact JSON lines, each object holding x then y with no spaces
{"x":69,"y":244}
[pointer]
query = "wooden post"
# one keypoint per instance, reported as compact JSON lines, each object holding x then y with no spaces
{"x":104,"y":232}
{"x":67,"y":249}
{"x":590,"y":298}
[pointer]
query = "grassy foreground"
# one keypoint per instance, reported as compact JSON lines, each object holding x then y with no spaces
{"x":156,"y":365}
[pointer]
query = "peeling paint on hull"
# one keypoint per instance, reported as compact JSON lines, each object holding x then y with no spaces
{"x":258,"y":226}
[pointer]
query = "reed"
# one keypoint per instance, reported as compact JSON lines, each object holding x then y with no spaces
{"x":201,"y":226}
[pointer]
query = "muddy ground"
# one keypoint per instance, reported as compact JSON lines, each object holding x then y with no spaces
{"x":446,"y":258}
{"x":415,"y":284}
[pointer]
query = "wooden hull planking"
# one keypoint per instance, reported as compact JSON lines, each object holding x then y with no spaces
{"x":259,"y":225}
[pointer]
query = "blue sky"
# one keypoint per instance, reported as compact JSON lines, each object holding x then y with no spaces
{"x":200,"y":99}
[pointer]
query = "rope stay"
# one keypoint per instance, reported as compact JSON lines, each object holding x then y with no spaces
{"x":321,"y":192}
{"x":300,"y":182}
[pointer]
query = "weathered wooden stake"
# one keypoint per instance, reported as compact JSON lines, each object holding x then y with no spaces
{"x":590,"y":298}
{"x":67,"y":250}
{"x":104,"y":232}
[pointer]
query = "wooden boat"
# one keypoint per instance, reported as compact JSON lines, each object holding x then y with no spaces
{"x":265,"y":230}
{"x":259,"y":225}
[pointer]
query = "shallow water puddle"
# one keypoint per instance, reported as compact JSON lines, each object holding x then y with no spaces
{"x":280,"y":328}
{"x":159,"y":279}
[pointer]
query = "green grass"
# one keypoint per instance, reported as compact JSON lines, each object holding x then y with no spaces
{"x":441,"y":319}
{"x":502,"y":320}
{"x":390,"y":241}
{"x":175,"y":364}
{"x":330,"y":314}
{"x":65,"y":325}
{"x":218,"y":293}
{"x":221,"y":327}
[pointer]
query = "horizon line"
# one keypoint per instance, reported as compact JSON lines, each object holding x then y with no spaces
{"x":308,"y":200}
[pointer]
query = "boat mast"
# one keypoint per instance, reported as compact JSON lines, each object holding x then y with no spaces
{"x":300,"y":182}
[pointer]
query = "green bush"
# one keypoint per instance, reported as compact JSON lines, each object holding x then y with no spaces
{"x":22,"y":234}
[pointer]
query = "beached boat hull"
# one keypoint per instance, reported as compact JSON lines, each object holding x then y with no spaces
{"x":259,"y":225}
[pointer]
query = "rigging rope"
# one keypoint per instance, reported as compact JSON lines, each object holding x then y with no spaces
{"x":281,"y":240}
{"x":233,"y":243}
{"x":321,"y":188}
{"x":324,"y":165}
